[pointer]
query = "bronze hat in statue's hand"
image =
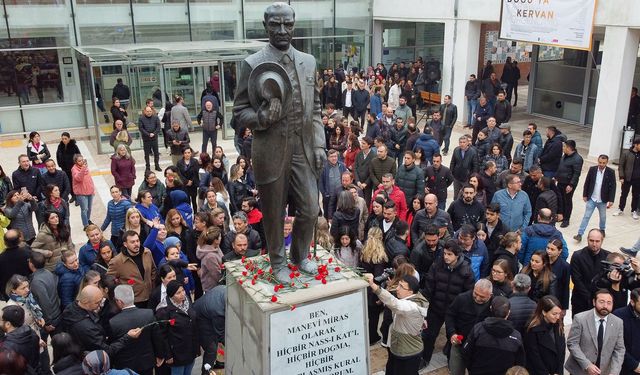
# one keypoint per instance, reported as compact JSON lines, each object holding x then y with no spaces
{"x":269,"y":81}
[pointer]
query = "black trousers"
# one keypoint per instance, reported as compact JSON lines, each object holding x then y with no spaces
{"x":151,"y":147}
{"x":429,"y":335}
{"x":567,"y":202}
{"x":346,"y":111}
{"x":373,"y":312}
{"x":361,"y":117}
{"x":402,"y":365}
{"x":634,"y":187}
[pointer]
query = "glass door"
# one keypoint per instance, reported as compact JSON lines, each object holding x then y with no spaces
{"x":179,"y":81}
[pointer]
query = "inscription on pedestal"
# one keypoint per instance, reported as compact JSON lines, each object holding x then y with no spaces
{"x":327,"y":337}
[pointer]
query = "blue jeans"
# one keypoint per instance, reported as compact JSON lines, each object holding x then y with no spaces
{"x":591,"y":206}
{"x":472,"y":104}
{"x":182,"y":370}
{"x":85,"y":202}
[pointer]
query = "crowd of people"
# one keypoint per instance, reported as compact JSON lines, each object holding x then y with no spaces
{"x":489,"y":263}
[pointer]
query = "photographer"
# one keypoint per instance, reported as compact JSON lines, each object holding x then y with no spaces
{"x":408,"y":309}
{"x":618,"y":275}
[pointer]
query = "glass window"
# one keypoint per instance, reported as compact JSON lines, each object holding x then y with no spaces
{"x":22,"y":37}
{"x":31,"y":77}
{"x":216,"y":21}
{"x":554,"y":76}
{"x":253,"y":11}
{"x":557,"y":105}
{"x":161,"y":22}
{"x":104,"y":24}
{"x":398,"y":34}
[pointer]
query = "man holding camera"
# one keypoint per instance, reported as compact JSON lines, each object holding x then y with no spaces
{"x":409,"y":310}
{"x":618,"y":275}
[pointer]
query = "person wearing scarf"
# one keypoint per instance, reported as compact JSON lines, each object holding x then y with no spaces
{"x":180,"y":345}
{"x":97,"y":362}
{"x":20,"y":295}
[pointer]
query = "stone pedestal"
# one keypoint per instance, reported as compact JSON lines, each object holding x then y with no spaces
{"x":320,"y":328}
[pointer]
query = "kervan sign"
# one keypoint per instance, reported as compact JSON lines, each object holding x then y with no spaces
{"x":560,"y":23}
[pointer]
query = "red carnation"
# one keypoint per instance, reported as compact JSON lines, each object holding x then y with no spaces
{"x":293,"y":307}
{"x":270,"y":269}
{"x":292,"y":275}
{"x":330,"y":260}
{"x":131,"y":282}
{"x":221,"y":266}
{"x":172,"y":322}
{"x":318,"y":277}
{"x":243,"y":259}
{"x":306,"y":285}
{"x":274,"y":298}
{"x":260,"y":271}
{"x":297,"y":274}
{"x":240,"y":281}
{"x":324,"y":281}
{"x":221,"y":351}
{"x":309,"y":256}
{"x":253,"y":282}
{"x":280,"y":286}
{"x":244,"y":273}
{"x":337,"y":269}
{"x":293,"y":284}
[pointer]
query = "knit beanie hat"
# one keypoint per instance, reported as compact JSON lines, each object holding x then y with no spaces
{"x":172,"y":288}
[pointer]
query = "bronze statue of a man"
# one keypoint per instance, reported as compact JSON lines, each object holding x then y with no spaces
{"x":278,"y":100}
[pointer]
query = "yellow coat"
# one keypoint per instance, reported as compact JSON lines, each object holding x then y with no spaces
{"x":4,"y":223}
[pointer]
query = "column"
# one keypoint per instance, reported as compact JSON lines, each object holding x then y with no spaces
{"x":465,"y":62}
{"x":614,"y":89}
{"x":376,"y":44}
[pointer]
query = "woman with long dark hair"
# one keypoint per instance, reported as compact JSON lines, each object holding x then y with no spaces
{"x":497,"y":157}
{"x":543,"y":281}
{"x":348,"y":248}
{"x":53,"y":202}
{"x":158,"y":296}
{"x":353,"y":148}
{"x":118,"y":113}
{"x":501,"y":277}
{"x":188,"y":168}
{"x":67,"y":355}
{"x":5,"y":186}
{"x":238,"y":189}
{"x":561,"y":270}
{"x":544,"y":340}
{"x":53,"y":238}
{"x":346,"y":215}
{"x":37,"y":151}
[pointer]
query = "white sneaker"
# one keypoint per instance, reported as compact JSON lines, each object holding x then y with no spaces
{"x":618,"y":212}
{"x":635,"y":215}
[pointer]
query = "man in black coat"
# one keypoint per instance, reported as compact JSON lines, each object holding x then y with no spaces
{"x":599,"y":191}
{"x":425,"y":252}
{"x":465,"y":311}
{"x":494,"y":338}
{"x":14,"y":260}
{"x":429,"y":215}
{"x":464,"y":162}
{"x":241,"y":226}
{"x":466,"y":209}
{"x":449,"y":276}
{"x":19,"y":337}
{"x":522,"y":307}
{"x":395,"y":242}
{"x":585,"y":265}
{"x":438,"y":178}
{"x":27,"y":177}
{"x":81,"y":321}
{"x":137,"y":355}
{"x":361,"y":99}
{"x":361,"y":167}
{"x":494,"y":228}
{"x":56,"y":177}
{"x":210,"y":310}
{"x":551,"y":152}
{"x":567,"y":176}
{"x":630,"y":316}
{"x":149,"y":126}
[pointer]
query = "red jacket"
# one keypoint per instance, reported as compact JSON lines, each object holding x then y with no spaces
{"x":254,"y":216}
{"x":397,"y":196}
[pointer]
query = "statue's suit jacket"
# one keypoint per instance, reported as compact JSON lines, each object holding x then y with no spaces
{"x":270,"y":143}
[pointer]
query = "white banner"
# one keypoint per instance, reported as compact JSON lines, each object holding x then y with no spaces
{"x":560,"y":23}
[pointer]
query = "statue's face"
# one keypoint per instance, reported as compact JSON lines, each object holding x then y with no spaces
{"x":279,"y":25}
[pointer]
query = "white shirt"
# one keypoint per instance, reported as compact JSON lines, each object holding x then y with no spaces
{"x":604,"y":324}
{"x":386,"y":226}
{"x":347,"y":99}
{"x":595,"y":196}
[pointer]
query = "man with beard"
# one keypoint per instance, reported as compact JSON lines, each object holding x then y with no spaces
{"x":466,"y":209}
{"x":585,"y":265}
{"x":595,"y":341}
{"x":134,"y":266}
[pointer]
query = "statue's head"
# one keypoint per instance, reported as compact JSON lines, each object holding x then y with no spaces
{"x":279,"y":20}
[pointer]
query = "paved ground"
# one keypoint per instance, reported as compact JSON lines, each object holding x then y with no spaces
{"x":621,"y":230}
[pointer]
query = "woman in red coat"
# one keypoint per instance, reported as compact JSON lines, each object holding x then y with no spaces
{"x":353,"y":147}
{"x":123,"y":169}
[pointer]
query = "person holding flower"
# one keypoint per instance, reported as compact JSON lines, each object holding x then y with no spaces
{"x":180,"y":344}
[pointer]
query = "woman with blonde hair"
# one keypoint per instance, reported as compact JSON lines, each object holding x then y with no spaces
{"x":323,"y":238}
{"x":123,"y":169}
{"x":135,"y":222}
{"x":374,"y":260}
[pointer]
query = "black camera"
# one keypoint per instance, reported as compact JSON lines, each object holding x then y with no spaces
{"x":385,"y":276}
{"x":626,"y":271}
